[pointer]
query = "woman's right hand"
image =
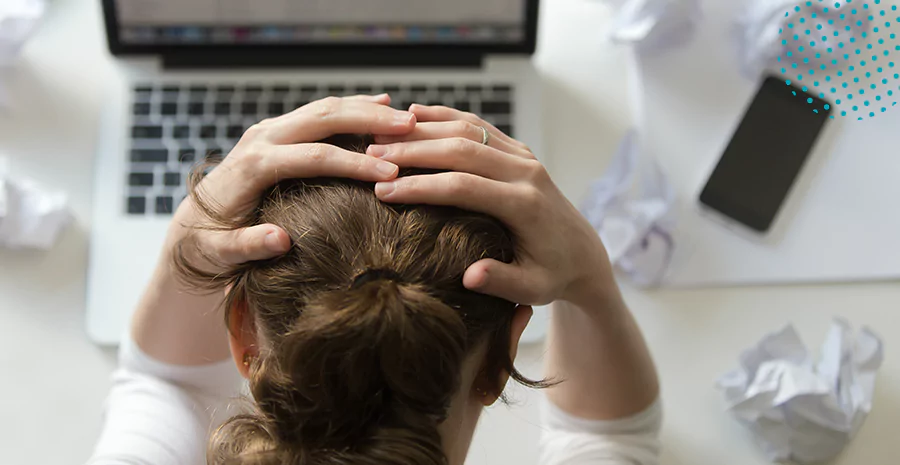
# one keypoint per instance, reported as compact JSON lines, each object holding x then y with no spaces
{"x":281,"y":148}
{"x":559,"y":257}
{"x":182,"y":328}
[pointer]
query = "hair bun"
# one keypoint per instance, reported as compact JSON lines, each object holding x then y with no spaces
{"x":360,"y":361}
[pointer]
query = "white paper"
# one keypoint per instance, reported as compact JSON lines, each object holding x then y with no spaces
{"x":802,"y":409}
{"x":30,"y":215}
{"x":630,"y":207}
{"x":653,"y":24}
{"x":18,"y":19}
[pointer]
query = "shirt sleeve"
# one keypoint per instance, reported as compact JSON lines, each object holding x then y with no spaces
{"x":569,"y":440}
{"x":161,"y":414}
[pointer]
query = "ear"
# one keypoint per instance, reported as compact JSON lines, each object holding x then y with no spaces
{"x":521,"y":317}
{"x":242,"y":336}
{"x":519,"y":322}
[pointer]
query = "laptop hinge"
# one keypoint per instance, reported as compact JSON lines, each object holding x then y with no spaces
{"x":322,"y":59}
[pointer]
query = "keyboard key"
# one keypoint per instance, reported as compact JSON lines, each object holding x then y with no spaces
{"x":141,"y":109}
{"x":364,"y":89}
{"x":186,"y":155}
{"x":199,"y":89}
{"x":281,"y":89}
{"x":149,"y":155}
{"x":143,"y":90}
{"x":196,"y":108}
{"x":234,"y":131}
{"x":309,"y":89}
{"x":214,"y":154}
{"x":253,"y":90}
{"x":140,"y":179}
{"x":164,"y":205}
{"x":207,"y":131}
{"x":249,"y":108}
{"x":501,"y":88}
{"x":446,"y":89}
{"x":276,"y":109}
{"x":223,"y":108}
{"x":225,"y":90}
{"x":418,"y":88}
{"x":473,"y":89}
{"x":506,"y":129}
{"x":391,"y":89}
{"x":171,"y":93}
{"x":336,"y":89}
{"x":168,"y":109}
{"x":181,"y":132}
{"x":146,"y":132}
{"x":137,"y":205}
{"x":496,"y":107}
{"x":172,"y":179}
{"x":463,"y":106}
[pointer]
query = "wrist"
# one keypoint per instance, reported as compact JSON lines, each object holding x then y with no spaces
{"x":596,"y":288}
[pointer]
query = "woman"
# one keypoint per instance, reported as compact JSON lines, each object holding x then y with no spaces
{"x":373,"y":334}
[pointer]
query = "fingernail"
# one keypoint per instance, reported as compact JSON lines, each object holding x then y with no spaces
{"x":274,"y":244}
{"x":381,"y":95}
{"x":403,"y":118}
{"x":384,"y":189}
{"x":385,"y":168}
{"x":377,"y":151}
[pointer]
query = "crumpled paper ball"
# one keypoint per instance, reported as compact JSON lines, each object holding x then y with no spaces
{"x":796,"y":407}
{"x":31,"y":216}
{"x":18,"y":18}
{"x":654,"y":25}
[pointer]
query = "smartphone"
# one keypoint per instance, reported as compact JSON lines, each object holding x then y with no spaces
{"x":766,"y":154}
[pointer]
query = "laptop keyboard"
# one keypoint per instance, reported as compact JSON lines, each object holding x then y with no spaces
{"x":176,"y":126}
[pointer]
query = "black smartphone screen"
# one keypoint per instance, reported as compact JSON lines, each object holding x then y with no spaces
{"x":766,"y":154}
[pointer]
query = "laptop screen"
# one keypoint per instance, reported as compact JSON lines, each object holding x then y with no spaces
{"x":174,"y":23}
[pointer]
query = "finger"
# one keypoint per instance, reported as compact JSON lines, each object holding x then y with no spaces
{"x":507,"y":281}
{"x":462,"y":190}
{"x":456,"y":154}
{"x":429,"y":114}
{"x":251,"y":173}
{"x":448,"y":129}
{"x":322,"y":160}
{"x":381,"y":99}
{"x":248,"y":244}
{"x":327,"y":117}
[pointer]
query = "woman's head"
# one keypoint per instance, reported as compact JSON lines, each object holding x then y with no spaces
{"x":361,"y":344}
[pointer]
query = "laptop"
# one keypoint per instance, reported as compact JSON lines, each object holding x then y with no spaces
{"x":195,"y":74}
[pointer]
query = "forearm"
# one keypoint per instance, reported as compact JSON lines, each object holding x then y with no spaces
{"x":175,"y":326}
{"x":598,"y":352}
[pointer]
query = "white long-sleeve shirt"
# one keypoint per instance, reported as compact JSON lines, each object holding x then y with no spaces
{"x":161,"y":414}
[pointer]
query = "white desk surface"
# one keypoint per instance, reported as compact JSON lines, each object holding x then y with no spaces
{"x":54,"y":380}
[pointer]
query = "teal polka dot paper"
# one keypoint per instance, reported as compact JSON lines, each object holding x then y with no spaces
{"x":846,"y":52}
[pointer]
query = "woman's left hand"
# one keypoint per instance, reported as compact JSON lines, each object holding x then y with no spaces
{"x":559,"y":256}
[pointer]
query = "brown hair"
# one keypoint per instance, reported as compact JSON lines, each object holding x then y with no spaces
{"x":365,"y":323}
